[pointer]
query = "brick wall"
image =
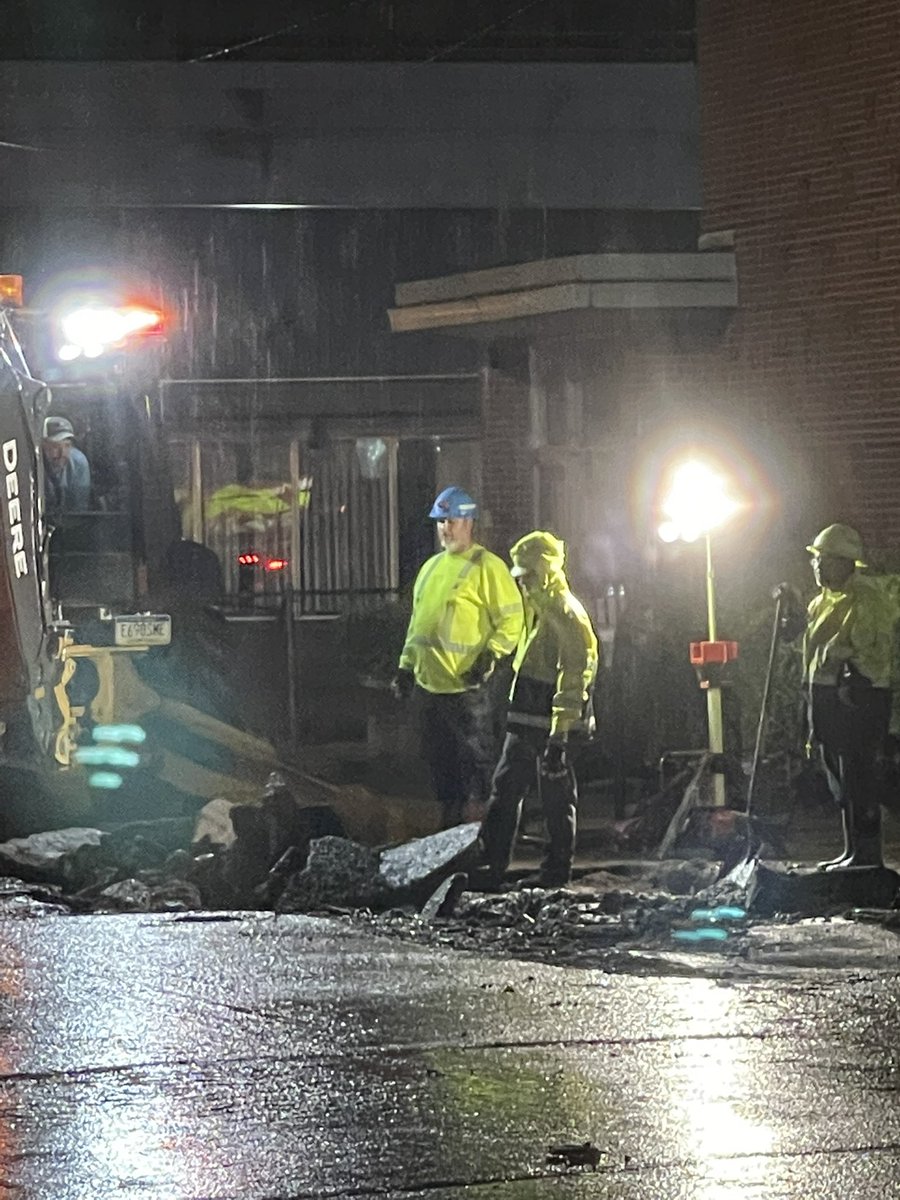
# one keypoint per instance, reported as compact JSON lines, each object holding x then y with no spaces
{"x":507,"y":481}
{"x":800,"y":119}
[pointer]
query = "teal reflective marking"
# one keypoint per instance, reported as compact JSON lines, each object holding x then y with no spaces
{"x":107,"y":755}
{"x":700,"y":935}
{"x":108,"y":780}
{"x":119,"y":733}
{"x":723,"y":912}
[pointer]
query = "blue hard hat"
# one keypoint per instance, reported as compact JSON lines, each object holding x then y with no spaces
{"x":453,"y":502}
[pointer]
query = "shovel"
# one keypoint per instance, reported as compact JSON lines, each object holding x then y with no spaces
{"x":764,"y":706}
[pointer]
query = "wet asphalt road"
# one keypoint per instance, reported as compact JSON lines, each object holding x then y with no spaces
{"x":152,"y":1057}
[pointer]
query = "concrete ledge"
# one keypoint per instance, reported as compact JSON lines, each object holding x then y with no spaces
{"x":547,"y":272}
{"x":573,"y":297}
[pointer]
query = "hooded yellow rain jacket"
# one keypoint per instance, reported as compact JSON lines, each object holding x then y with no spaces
{"x":855,"y":626}
{"x":462,"y":604}
{"x":558,"y":655}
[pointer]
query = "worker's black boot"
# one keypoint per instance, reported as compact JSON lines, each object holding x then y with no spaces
{"x":547,"y":877}
{"x":486,"y":879}
{"x":498,"y":835}
{"x":559,"y":814}
{"x":834,"y":864}
{"x":867,"y":847}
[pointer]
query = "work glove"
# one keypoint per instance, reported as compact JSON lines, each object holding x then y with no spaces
{"x":480,"y":671}
{"x":555,"y":761}
{"x":852,"y":687}
{"x":789,"y":597}
{"x":402,"y":684}
{"x":793,"y":613}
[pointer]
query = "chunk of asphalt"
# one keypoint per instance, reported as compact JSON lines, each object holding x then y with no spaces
{"x":46,"y":857}
{"x":338,"y":873}
{"x":442,"y":901}
{"x":414,"y":869}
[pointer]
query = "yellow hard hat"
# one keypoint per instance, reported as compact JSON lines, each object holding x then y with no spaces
{"x":838,"y":541}
{"x":538,"y":551}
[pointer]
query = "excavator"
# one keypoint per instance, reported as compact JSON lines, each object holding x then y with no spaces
{"x":87,"y":736}
{"x":77,"y":722}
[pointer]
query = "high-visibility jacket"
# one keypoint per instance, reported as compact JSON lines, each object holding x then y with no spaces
{"x":462,"y":604}
{"x":852,"y":626}
{"x":239,"y":501}
{"x":555,"y":664}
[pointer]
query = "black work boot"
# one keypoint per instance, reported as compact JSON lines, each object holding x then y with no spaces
{"x":867,"y":847}
{"x":547,"y":877}
{"x":559,"y":814}
{"x":486,"y":878}
{"x":498,"y":836}
{"x":842,"y":860}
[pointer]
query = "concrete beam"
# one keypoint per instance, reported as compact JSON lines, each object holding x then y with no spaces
{"x":567,"y":298}
{"x":548,"y":272}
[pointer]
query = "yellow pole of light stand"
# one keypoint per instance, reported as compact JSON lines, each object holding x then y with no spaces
{"x":714,"y":693}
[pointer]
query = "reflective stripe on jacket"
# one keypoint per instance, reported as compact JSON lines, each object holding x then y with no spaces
{"x":462,"y":604}
{"x":854,"y":626}
{"x":555,"y":665}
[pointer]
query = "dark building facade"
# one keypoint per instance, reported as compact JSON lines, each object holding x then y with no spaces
{"x":800,"y":114}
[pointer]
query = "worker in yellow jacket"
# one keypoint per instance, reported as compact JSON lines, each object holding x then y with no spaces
{"x":555,"y":667}
{"x":848,"y":646}
{"x":466,"y":617}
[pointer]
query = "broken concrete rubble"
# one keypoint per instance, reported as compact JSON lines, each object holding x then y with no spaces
{"x":135,"y":895}
{"x":18,"y":898}
{"x":265,"y":833}
{"x":415,"y":868}
{"x":367,"y":816}
{"x":558,"y":925}
{"x":445,"y":897}
{"x":294,"y":857}
{"x":338,"y":873}
{"x":80,"y":866}
{"x":47,"y":857}
{"x":129,"y":895}
{"x":679,"y":877}
{"x":77,"y":858}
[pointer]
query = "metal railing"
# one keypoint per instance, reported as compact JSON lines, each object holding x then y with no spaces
{"x":324,"y":602}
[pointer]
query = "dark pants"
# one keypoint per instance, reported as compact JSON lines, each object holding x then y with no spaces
{"x":517,"y":771}
{"x":459,"y":740}
{"x":851,"y":724}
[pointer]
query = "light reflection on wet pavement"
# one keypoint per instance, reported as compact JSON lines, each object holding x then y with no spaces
{"x":288,"y":1057}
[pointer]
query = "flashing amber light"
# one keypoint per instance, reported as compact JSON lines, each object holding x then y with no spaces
{"x":276,"y":564}
{"x":248,"y":560}
{"x":11,"y":291}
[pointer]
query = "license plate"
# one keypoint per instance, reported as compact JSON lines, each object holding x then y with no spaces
{"x":152,"y":629}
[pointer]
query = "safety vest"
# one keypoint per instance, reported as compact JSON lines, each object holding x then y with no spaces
{"x":462,"y":604}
